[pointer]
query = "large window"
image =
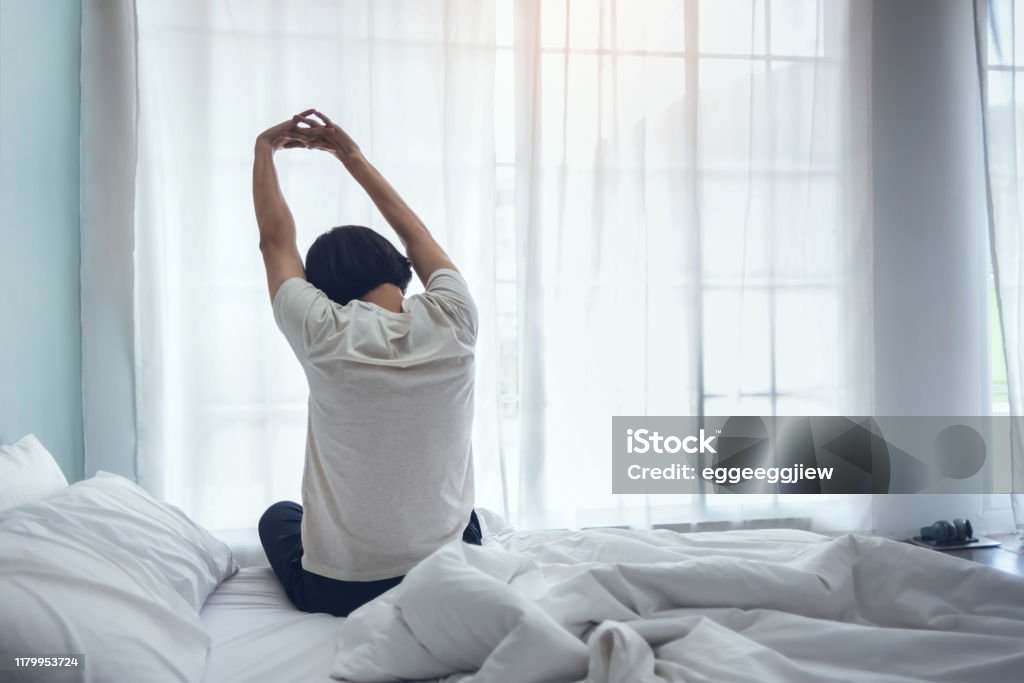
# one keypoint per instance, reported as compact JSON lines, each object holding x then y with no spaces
{"x":760,"y":86}
{"x":660,"y":205}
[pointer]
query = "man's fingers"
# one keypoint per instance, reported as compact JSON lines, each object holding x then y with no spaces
{"x":311,"y":135}
{"x":323,"y":117}
{"x":304,"y":113}
{"x":292,"y":138}
{"x":311,"y":123}
{"x":305,"y":134}
{"x":317,"y":137}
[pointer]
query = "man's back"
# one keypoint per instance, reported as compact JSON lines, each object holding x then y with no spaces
{"x":388,"y":474}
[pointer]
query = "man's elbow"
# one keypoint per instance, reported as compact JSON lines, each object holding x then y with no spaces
{"x":271,"y":243}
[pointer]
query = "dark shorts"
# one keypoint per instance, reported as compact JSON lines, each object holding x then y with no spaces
{"x":281,"y":535}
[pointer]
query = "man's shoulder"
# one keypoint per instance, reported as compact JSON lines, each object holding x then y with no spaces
{"x":448,"y":292}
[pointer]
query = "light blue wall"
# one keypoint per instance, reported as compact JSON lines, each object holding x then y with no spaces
{"x":40,"y":315}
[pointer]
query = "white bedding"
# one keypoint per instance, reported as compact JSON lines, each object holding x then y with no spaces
{"x":626,"y":606}
{"x":104,"y":569}
{"x":257,"y":635}
{"x":632,"y":606}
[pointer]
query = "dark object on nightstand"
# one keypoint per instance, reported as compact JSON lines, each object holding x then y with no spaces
{"x":955,"y":535}
{"x":957,"y":531}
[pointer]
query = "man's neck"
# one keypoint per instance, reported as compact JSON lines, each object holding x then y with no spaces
{"x":387,"y":296}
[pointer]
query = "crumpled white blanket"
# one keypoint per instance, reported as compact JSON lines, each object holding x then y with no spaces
{"x":620,"y":606}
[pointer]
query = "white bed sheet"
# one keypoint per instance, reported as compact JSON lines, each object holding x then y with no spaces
{"x":257,"y":635}
{"x":765,"y":605}
{"x":620,"y":606}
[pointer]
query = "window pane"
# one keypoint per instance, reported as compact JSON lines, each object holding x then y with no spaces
{"x":735,"y":229}
{"x":552,"y":23}
{"x":813,"y":404}
{"x":504,"y":22}
{"x":505,"y":256}
{"x":737,"y":344}
{"x":253,"y":460}
{"x":806,"y":115}
{"x":809,"y":350}
{"x":797,"y":28}
{"x":807,"y":228}
{"x":730,"y":90}
{"x":552,"y":109}
{"x":738,"y":405}
{"x":652,"y":25}
{"x":997,"y":354}
{"x":504,"y":108}
{"x":1006,"y":20}
{"x":1005,"y":99}
{"x":732,"y":26}
{"x":669,"y":323}
{"x":219,"y":344}
{"x":589,"y":24}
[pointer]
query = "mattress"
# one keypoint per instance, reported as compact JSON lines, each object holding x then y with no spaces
{"x":259,"y":636}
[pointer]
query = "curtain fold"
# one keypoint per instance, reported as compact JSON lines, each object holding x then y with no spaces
{"x":108,"y":164}
{"x":1000,"y":53}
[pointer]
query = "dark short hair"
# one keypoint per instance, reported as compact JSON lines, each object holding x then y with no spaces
{"x":348,"y":261}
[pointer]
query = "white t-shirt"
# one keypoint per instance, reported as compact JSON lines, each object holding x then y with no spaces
{"x":388,"y":476}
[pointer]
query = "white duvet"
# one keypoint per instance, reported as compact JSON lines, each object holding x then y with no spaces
{"x":629,"y":606}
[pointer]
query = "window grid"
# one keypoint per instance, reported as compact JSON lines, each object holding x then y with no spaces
{"x":212,"y":412}
{"x":691,"y":58}
{"x":509,"y":395}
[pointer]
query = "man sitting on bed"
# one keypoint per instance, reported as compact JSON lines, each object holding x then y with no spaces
{"x":388,"y":475}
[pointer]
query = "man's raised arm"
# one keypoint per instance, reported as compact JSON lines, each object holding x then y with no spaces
{"x":423,"y":251}
{"x":277,"y":227}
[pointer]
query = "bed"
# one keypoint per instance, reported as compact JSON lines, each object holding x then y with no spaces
{"x":257,"y":635}
{"x":103,"y":569}
{"x":619,"y":605}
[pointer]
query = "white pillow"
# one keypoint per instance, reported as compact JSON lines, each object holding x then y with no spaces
{"x":104,"y":569}
{"x":120,"y":516}
{"x":27,"y":472}
{"x":68,"y":592}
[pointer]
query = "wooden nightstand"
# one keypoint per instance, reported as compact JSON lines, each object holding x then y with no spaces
{"x":1008,"y":557}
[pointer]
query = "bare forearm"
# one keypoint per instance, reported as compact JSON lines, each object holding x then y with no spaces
{"x":396,"y":212}
{"x":423,"y":251}
{"x":275,"y":221}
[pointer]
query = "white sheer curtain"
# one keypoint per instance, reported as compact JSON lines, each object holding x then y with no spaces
{"x":1000,"y":35}
{"x":662,"y":207}
{"x":694,"y":230}
{"x":221,"y":400}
